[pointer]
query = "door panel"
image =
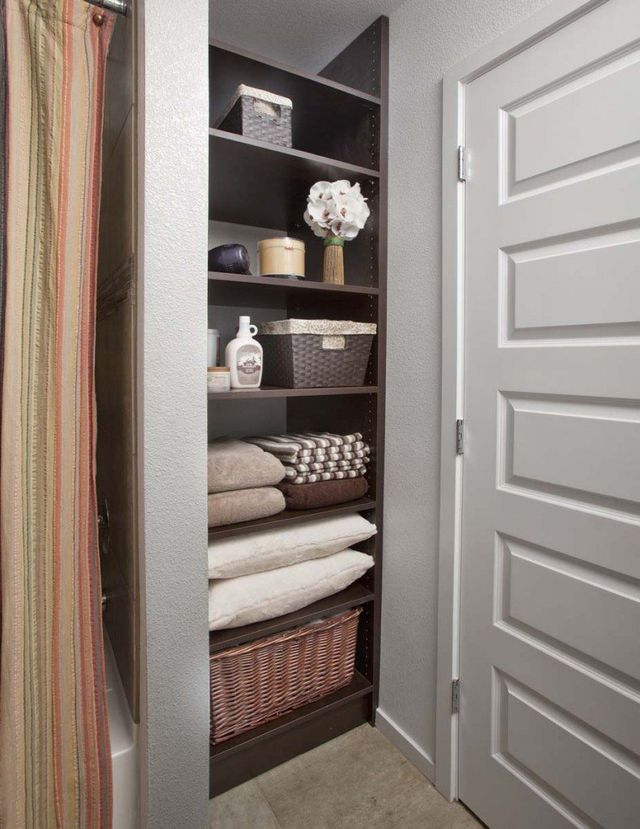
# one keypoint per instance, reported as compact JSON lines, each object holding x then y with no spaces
{"x":588,"y":611}
{"x":587,"y":288}
{"x":556,"y":752}
{"x":578,"y":121}
{"x":550,"y":624}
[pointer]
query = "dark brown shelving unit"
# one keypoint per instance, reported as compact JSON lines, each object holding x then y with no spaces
{"x":287,"y":286}
{"x":277,"y":391}
{"x":256,"y":183}
{"x":268,"y":746}
{"x":331,"y":118}
{"x":339,"y":131}
{"x":355,"y":594}
{"x":289,"y":517}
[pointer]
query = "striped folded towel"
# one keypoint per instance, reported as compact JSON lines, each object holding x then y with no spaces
{"x":309,"y":457}
{"x":299,"y":445}
{"x":314,"y":477}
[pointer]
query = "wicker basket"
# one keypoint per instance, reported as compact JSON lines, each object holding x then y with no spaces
{"x":253,"y":684}
{"x":315,"y":353}
{"x":256,"y":113}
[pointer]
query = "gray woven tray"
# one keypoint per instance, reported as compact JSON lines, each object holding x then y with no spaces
{"x":304,"y":360}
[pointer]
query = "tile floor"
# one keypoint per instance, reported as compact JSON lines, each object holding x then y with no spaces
{"x":357,"y":781}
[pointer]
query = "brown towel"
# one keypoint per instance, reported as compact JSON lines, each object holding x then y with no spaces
{"x":244,"y":505}
{"x":323,"y":493}
{"x":234,"y":464}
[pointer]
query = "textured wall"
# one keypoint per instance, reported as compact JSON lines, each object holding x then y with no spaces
{"x":173,"y":410}
{"x":302,"y":33}
{"x":427,"y":38}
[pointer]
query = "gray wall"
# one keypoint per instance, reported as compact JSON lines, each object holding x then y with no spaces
{"x":427,"y":38}
{"x":302,"y":33}
{"x":173,"y":228}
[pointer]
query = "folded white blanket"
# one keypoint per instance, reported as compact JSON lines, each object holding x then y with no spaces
{"x":270,"y":549}
{"x":249,"y":599}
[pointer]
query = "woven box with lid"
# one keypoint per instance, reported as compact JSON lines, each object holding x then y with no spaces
{"x":315,"y":353}
{"x":257,"y":113}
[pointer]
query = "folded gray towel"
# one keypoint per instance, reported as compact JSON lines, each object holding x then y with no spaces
{"x":244,"y":505}
{"x":234,"y":464}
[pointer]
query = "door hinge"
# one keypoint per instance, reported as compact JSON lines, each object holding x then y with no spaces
{"x":460,"y":437}
{"x":462,"y":163}
{"x":455,"y":696}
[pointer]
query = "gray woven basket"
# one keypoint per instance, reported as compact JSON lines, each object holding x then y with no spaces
{"x":295,"y":359}
{"x":257,"y":114}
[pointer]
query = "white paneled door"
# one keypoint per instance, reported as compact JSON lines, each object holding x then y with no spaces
{"x":550,"y":619}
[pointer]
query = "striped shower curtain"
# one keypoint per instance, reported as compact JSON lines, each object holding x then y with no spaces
{"x":54,"y":745}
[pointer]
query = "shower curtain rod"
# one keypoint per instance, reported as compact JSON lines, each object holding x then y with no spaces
{"x":118,"y":6}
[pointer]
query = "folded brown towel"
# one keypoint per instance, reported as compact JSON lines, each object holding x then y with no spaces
{"x":234,"y":464}
{"x":323,"y":493}
{"x":244,"y":505}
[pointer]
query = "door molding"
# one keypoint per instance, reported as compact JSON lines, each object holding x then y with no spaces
{"x":557,"y":15}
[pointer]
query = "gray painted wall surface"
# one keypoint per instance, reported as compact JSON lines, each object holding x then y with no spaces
{"x":303,"y":33}
{"x":427,"y":39}
{"x":173,"y":411}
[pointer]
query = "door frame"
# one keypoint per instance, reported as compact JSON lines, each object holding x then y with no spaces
{"x":541,"y":25}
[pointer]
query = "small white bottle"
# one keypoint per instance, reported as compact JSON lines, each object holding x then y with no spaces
{"x":243,"y":356}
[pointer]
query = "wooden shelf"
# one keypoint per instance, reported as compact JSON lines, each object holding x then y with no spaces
{"x":288,"y":286}
{"x":328,"y":118}
{"x":358,"y":687}
{"x":231,"y":61}
{"x":354,"y":595}
{"x":289,"y":517}
{"x":255,"y":183}
{"x":276,"y":391}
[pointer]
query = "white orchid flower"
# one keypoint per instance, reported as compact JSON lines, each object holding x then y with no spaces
{"x":321,"y":211}
{"x":336,"y":208}
{"x":345,"y":230}
{"x":340,"y":188}
{"x":321,"y":190}
{"x":352,"y":210}
{"x":315,"y":227}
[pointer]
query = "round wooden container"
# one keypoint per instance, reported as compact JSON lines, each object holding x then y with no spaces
{"x":281,"y":257}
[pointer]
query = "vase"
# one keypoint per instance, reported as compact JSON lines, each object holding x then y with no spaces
{"x":333,"y":260}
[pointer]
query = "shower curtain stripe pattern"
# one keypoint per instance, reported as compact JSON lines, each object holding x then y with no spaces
{"x":54,"y":745}
{"x":3,"y":98}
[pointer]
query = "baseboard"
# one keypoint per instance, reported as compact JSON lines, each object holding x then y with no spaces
{"x":405,"y":745}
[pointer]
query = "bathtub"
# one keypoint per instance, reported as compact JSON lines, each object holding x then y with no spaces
{"x":124,"y":748}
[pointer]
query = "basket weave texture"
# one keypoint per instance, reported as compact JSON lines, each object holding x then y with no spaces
{"x":245,"y":119}
{"x":297,"y":361}
{"x":253,"y":684}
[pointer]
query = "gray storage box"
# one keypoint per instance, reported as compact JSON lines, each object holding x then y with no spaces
{"x":256,"y":113}
{"x":315,"y":353}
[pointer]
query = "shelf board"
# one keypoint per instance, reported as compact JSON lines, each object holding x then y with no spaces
{"x":260,"y":184}
{"x":354,"y":595}
{"x":328,"y":117}
{"x":289,"y":286}
{"x":279,"y":77}
{"x":276,"y":391}
{"x":358,"y":687}
{"x":289,"y":517}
